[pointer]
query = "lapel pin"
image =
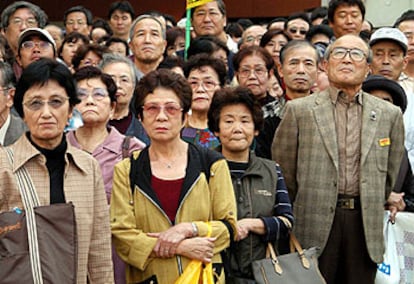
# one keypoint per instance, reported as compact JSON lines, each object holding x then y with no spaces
{"x":373,"y":115}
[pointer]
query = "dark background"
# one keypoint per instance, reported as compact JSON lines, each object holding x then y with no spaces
{"x":254,"y":9}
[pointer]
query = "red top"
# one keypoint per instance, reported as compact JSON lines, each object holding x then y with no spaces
{"x":168,"y":193}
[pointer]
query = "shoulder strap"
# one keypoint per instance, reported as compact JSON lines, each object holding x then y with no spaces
{"x":30,"y":200}
{"x":132,"y":172}
{"x":125,"y":146}
{"x":207,"y":158}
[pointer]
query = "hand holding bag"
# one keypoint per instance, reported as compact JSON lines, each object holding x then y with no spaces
{"x":37,"y":245}
{"x":293,"y":268}
{"x":196,"y":272}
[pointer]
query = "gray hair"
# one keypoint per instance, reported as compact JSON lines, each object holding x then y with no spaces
{"x":110,"y":58}
{"x":39,"y":14}
{"x":8,"y":80}
{"x":143,"y":17}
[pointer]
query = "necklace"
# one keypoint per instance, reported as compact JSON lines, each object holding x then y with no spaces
{"x":170,"y":164}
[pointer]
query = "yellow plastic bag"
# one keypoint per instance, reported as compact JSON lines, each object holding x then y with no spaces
{"x":196,"y":272}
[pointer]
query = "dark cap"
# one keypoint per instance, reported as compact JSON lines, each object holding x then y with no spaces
{"x":377,"y":82}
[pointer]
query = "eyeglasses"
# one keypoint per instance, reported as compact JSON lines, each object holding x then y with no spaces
{"x":30,"y":22}
{"x":207,"y":85}
{"x":171,"y":109}
{"x":73,"y":22}
{"x":253,"y":38}
{"x":5,"y":90}
{"x":258,"y":72}
{"x":37,"y":104}
{"x":295,"y":30}
{"x":355,"y":54}
{"x":43,"y":45}
{"x":98,"y":94}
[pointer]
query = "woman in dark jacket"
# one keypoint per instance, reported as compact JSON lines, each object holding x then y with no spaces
{"x":263,"y":206}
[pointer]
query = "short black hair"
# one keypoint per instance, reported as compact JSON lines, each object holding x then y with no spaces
{"x":113,"y":39}
{"x":319,"y":29}
{"x":200,"y":60}
{"x":267,"y":36}
{"x":406,"y":16}
{"x":319,"y":12}
{"x":234,"y":96}
{"x":73,"y":37}
{"x":123,"y":6}
{"x":206,"y":44}
{"x":79,"y":8}
{"x":275,"y":20}
{"x":81,"y":52}
{"x":40,"y":73}
{"x":91,"y":72}
{"x":170,"y":62}
{"x":334,"y":4}
{"x":300,"y":15}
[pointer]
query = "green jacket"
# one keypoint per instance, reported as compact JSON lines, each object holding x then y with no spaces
{"x":132,"y":216}
{"x":260,"y":193}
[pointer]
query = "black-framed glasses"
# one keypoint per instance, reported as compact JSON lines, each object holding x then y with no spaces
{"x":355,"y":54}
{"x":97,"y":94}
{"x":38,"y":104}
{"x":43,"y":45}
{"x":296,"y":30}
{"x":153,"y":109}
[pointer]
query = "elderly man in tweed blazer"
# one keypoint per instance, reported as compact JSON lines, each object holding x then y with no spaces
{"x":340,"y":151}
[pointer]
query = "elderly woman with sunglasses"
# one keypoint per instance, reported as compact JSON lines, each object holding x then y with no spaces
{"x":45,"y":97}
{"x":164,"y":195}
{"x":96,"y":90}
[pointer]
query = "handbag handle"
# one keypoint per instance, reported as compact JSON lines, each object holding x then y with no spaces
{"x":294,"y":243}
{"x":29,"y":200}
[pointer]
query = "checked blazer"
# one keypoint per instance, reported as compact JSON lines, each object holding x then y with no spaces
{"x":305,"y":146}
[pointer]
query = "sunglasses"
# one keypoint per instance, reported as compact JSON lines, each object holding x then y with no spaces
{"x":295,"y":31}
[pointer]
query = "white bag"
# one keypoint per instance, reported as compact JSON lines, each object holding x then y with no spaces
{"x":398,"y":265}
{"x":388,"y":272}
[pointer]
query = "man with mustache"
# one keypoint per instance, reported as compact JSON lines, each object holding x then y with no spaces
{"x":340,"y":151}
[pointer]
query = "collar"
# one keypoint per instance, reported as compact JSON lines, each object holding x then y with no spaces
{"x":336,"y":94}
{"x":4,"y":128}
{"x":24,"y":151}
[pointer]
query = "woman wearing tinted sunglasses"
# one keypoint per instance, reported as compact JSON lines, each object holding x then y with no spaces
{"x":162,"y":197}
{"x":96,"y":91}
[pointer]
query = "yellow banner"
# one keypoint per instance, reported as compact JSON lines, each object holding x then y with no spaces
{"x":195,"y":3}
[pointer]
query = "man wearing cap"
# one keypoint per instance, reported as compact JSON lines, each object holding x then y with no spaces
{"x":402,"y":196}
{"x":33,"y":44}
{"x":19,"y":16}
{"x":389,"y":47}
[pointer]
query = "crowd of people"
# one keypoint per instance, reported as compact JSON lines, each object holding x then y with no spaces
{"x":303,"y":125}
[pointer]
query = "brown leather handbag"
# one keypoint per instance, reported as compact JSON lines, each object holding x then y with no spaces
{"x":38,"y":244}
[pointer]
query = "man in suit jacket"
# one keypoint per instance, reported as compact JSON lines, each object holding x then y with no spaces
{"x":11,"y":126}
{"x":340,"y":151}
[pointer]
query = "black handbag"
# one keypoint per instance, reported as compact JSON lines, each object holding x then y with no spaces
{"x":299,"y":266}
{"x":38,"y":244}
